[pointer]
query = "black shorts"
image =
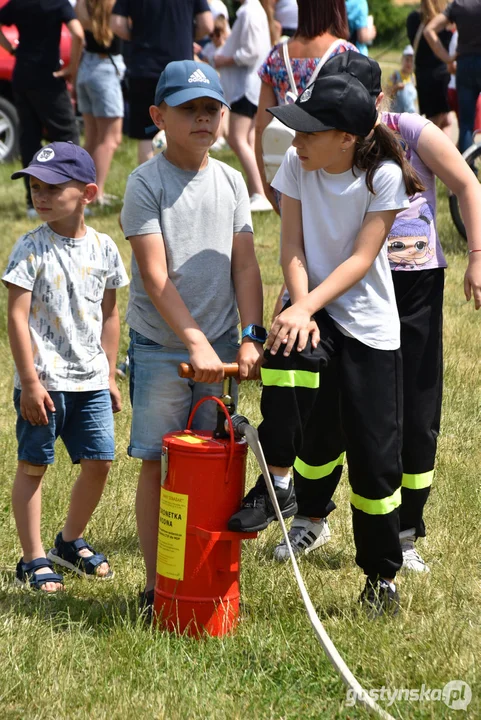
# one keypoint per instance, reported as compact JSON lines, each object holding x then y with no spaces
{"x":141,"y":96}
{"x":244,"y":107}
{"x":432,"y":87}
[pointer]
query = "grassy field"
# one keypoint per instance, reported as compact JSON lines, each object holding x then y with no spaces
{"x":85,"y":654}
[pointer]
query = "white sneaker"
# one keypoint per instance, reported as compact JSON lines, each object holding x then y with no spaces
{"x":259,"y":203}
{"x":305,"y":536}
{"x":412,"y":560}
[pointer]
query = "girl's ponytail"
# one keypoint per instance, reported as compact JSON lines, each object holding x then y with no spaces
{"x":99,"y":12}
{"x":382,"y":145}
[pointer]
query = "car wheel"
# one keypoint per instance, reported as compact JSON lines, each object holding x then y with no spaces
{"x":9,"y":130}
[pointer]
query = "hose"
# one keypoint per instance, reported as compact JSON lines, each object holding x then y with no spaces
{"x":243,"y":428}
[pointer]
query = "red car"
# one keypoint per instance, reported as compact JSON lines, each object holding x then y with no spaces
{"x":8,"y":114}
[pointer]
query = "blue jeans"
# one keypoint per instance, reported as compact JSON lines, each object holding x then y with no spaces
{"x":468,"y":85}
{"x":84,"y":421}
{"x":161,"y":400}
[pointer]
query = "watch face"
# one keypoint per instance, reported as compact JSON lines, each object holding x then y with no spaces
{"x":259,"y":333}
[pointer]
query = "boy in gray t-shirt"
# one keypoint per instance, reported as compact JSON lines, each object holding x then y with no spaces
{"x":187,"y":217}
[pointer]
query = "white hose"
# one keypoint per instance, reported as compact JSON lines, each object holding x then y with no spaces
{"x":336,"y":660}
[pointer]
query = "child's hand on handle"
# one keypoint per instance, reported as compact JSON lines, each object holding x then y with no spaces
{"x":293,"y":324}
{"x":115,"y":396}
{"x":249,"y":359}
{"x":206,"y":363}
{"x":34,"y":400}
{"x":472,"y":279}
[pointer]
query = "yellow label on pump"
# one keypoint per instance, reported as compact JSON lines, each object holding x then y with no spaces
{"x":190,"y":439}
{"x":172,"y":534}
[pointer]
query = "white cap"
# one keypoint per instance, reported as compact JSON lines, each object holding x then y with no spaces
{"x":408,"y":50}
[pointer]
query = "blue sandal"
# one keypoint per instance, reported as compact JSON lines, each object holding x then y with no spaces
{"x":67,"y":555}
{"x":26,"y":575}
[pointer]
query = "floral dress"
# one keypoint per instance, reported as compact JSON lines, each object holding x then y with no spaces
{"x":274,"y":72}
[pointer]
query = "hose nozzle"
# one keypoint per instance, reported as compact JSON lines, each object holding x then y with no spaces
{"x":239,"y":423}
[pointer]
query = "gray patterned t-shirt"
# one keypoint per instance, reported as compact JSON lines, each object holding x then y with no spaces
{"x":67,"y":278}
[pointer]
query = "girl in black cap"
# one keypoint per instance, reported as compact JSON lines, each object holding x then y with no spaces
{"x":342,"y":184}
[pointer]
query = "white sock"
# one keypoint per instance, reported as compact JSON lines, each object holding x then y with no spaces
{"x":391,"y":585}
{"x":281,"y":482}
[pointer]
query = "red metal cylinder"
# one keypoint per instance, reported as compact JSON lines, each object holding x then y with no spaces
{"x":198,"y":559}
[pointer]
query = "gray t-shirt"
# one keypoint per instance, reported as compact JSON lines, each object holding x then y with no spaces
{"x":197,"y":214}
{"x":466,"y":14}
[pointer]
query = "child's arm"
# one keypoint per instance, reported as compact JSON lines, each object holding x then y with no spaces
{"x":34,"y":397}
{"x":444,"y":160}
{"x":110,"y":342}
{"x":293,"y":258}
{"x":149,"y":251}
{"x":246,"y":277}
{"x":293,"y":323}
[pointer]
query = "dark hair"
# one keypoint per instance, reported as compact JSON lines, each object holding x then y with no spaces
{"x":381,"y":145}
{"x":317,"y":17}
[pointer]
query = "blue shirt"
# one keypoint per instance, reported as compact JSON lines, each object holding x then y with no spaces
{"x":357,"y":12}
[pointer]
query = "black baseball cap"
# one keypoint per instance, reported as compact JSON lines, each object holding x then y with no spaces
{"x":58,"y":163}
{"x":364,"y":68}
{"x":332,"y":102}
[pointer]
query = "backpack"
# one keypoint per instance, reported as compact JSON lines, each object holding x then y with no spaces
{"x":277,"y":137}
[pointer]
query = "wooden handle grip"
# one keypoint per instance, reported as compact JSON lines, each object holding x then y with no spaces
{"x":186,"y":370}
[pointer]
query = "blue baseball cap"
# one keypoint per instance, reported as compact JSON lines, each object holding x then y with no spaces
{"x":184,"y":80}
{"x":60,"y":162}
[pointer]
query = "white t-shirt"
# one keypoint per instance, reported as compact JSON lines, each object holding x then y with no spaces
{"x":249,"y":44}
{"x":333,"y":210}
{"x":67,"y":278}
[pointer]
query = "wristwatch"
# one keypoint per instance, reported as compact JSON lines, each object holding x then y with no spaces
{"x":255,"y":332}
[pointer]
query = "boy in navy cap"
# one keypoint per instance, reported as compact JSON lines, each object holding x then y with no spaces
{"x":188,"y":220}
{"x":63,"y":326}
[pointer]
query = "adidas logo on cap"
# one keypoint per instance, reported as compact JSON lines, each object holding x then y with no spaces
{"x":198,"y":76}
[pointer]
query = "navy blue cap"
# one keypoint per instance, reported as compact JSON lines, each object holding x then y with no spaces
{"x":60,"y":162}
{"x":184,"y":80}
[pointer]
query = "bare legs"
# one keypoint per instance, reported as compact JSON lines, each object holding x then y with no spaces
{"x":241,"y":140}
{"x":102,"y":138}
{"x":27,"y":508}
{"x":147,"y":511}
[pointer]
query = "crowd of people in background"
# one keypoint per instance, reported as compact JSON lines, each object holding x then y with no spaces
{"x":119,"y":48}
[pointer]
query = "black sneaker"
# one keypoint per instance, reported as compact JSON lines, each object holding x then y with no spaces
{"x":146,"y":604}
{"x":257,"y":511}
{"x":378,"y":598}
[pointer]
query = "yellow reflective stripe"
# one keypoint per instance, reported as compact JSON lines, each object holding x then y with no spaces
{"x":377,"y":507}
{"x":290,"y":378}
{"x":418,"y":481}
{"x":316,"y":472}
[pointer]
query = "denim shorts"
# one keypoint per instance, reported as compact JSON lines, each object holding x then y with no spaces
{"x":98,"y":85}
{"x":161,"y":400}
{"x":84,"y":421}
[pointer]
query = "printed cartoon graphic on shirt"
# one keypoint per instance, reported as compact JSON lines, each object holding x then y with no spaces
{"x":67,"y":278}
{"x":408,"y":242}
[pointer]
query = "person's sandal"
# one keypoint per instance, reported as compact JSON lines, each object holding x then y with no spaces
{"x":26,"y":575}
{"x":67,"y":555}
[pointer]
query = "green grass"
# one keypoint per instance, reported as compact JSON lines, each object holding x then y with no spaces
{"x":85,"y":654}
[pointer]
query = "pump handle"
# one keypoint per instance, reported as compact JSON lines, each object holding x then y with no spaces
{"x":186,"y":370}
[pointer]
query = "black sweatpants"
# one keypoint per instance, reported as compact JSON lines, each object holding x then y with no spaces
{"x":368,"y":382}
{"x":42,"y":111}
{"x":419,"y":298}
